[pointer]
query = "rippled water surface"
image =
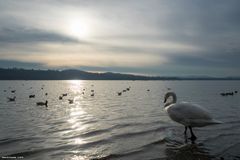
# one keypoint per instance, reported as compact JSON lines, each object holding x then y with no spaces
{"x":107,"y":126}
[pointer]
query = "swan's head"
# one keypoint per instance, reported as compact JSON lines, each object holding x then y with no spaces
{"x":170,"y":94}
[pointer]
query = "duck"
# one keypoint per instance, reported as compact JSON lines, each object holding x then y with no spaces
{"x":70,"y":101}
{"x":92,"y":95}
{"x":42,"y":103}
{"x":64,"y":94}
{"x":13,"y":91}
{"x":188,"y":114}
{"x":11,"y":99}
{"x":60,"y":97}
{"x":119,"y":93}
{"x":223,"y":94}
{"x":32,"y":96}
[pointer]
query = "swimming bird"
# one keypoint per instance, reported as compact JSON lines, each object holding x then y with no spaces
{"x":119,"y":93}
{"x":32,"y":96}
{"x":223,"y":94}
{"x":64,"y":94}
{"x":11,"y":99}
{"x":92,"y":95}
{"x":42,"y":103}
{"x":188,"y":114}
{"x":60,"y":97}
{"x":13,"y":91}
{"x":70,"y":101}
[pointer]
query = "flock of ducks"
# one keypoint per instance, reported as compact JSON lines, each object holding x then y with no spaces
{"x":70,"y":101}
{"x":124,"y":90}
{"x":13,"y":99}
{"x":188,"y":114}
{"x":228,"y":93}
{"x":61,"y":97}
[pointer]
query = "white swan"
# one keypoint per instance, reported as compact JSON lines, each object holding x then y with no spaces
{"x":188,"y":114}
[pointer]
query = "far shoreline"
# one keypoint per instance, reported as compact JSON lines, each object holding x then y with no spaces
{"x":72,"y":74}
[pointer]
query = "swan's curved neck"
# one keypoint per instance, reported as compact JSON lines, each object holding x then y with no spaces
{"x":174,"y":100}
{"x":167,"y":104}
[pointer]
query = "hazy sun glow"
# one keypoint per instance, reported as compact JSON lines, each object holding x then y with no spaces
{"x":78,"y":28}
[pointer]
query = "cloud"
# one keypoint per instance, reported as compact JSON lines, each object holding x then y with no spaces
{"x":22,"y":35}
{"x":157,"y":37}
{"x":17,"y":64}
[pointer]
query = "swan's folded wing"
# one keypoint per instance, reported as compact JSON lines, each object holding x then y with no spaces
{"x":187,"y":113}
{"x":193,"y":111}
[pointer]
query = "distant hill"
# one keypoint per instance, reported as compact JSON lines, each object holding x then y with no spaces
{"x":25,"y":74}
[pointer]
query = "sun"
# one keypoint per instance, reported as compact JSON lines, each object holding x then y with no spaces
{"x":79,"y":29}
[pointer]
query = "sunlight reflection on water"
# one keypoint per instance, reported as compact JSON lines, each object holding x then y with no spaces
{"x":76,"y":86}
{"x":131,"y":126}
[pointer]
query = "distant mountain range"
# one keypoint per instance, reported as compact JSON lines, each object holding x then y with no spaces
{"x":71,"y":74}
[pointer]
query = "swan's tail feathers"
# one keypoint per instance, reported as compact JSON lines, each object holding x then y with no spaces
{"x":214,"y":121}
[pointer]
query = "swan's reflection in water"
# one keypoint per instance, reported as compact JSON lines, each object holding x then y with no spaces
{"x":186,"y":151}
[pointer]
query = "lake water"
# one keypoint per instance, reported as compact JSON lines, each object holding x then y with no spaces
{"x":132,"y":126}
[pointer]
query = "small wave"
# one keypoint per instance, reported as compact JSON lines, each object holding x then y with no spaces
{"x":57,"y":122}
{"x":230,"y":148}
{"x":118,"y":155}
{"x":90,"y":121}
{"x":95,"y":132}
{"x":154,"y":143}
{"x":57,"y":131}
{"x":220,"y":136}
{"x":10,"y":140}
{"x":144,"y":132}
{"x":233,"y":122}
{"x":132,"y":152}
{"x":95,"y":143}
{"x":39,"y":151}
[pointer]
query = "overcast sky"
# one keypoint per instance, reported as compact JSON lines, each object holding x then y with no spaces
{"x":152,"y":37}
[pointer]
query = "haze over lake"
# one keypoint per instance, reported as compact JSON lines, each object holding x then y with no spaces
{"x":76,"y":79}
{"x":108,"y":126}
